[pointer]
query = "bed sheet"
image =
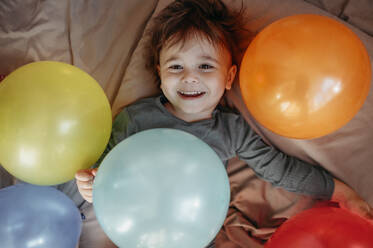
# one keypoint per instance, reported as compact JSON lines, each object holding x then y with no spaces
{"x":106,"y":39}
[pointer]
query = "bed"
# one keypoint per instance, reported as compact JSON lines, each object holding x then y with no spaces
{"x":106,"y":39}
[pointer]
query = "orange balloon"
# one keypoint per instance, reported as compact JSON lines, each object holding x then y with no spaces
{"x":305,"y":76}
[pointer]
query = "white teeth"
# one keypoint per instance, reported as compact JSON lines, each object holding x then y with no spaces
{"x":191,"y":93}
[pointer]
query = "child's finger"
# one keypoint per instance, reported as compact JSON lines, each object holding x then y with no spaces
{"x":86,"y":193}
{"x":85,"y":184}
{"x":88,"y":198}
{"x":94,"y":171}
{"x":84,"y":175}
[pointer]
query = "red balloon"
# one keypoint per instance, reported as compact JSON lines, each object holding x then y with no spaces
{"x":305,"y":76}
{"x":323,"y":227}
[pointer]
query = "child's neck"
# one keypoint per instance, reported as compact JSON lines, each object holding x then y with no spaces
{"x":186,"y":116}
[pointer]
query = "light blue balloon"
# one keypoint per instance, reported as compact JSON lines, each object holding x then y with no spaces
{"x":161,"y":188}
{"x":37,"y":217}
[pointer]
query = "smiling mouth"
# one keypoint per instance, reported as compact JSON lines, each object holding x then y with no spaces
{"x":190,"y":94}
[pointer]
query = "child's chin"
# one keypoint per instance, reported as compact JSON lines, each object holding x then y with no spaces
{"x":194,"y":111}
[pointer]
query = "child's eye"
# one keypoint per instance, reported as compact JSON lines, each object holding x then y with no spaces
{"x":175,"y":67}
{"x":206,"y":67}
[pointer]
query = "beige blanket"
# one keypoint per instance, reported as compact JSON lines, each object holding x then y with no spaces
{"x":105,"y":38}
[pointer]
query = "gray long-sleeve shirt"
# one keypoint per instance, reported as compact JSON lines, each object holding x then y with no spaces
{"x":230,"y":136}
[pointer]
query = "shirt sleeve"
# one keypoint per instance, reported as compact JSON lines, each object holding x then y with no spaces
{"x":118,"y":133}
{"x":278,"y":168}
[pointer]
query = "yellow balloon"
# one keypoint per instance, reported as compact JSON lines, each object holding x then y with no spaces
{"x":54,"y":120}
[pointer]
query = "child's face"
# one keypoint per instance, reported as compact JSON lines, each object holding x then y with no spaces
{"x":194,"y":76}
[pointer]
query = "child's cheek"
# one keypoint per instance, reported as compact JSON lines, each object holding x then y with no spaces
{"x":213,"y":75}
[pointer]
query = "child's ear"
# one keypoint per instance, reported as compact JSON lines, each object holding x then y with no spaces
{"x":158,"y":70}
{"x":230,"y":77}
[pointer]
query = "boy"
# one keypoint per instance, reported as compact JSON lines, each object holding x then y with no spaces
{"x":192,"y":46}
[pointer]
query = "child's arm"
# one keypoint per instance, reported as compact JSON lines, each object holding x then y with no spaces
{"x":84,"y":181}
{"x":350,"y":200}
{"x":291,"y":173}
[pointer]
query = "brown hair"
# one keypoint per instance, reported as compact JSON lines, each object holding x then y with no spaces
{"x":209,"y":19}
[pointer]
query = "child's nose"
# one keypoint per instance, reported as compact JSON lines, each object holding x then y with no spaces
{"x":190,"y":77}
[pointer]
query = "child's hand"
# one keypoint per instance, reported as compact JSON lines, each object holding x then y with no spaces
{"x":84,"y":181}
{"x":348,"y":199}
